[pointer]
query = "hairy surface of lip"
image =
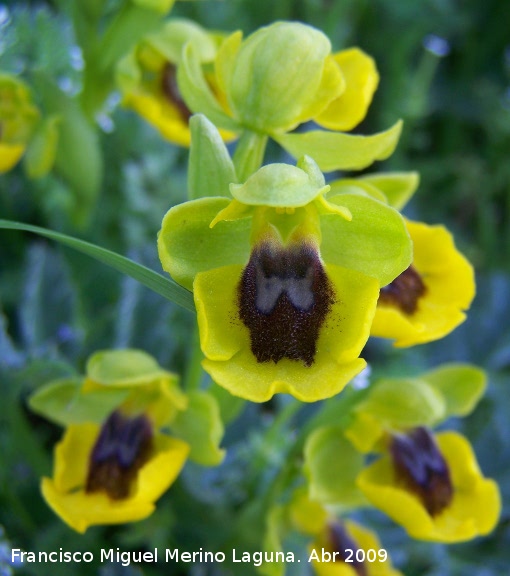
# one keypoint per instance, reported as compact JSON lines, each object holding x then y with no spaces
{"x":121,"y":449}
{"x":341,"y":542}
{"x":404,"y":292}
{"x":421,"y":467}
{"x":171,"y":90}
{"x":284,"y":298}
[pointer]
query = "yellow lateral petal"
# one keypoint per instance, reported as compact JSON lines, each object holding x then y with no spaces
{"x":361,"y":80}
{"x":10,"y":155}
{"x":80,"y":510}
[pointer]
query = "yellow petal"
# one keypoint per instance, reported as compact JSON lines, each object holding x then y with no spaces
{"x":225,"y":340}
{"x":361,"y":80}
{"x":363,"y":539}
{"x":66,"y":494}
{"x":474,"y":509}
{"x":80,"y":510}
{"x":159,"y":473}
{"x":162,"y":114}
{"x":449,"y":281}
{"x":10,"y":155}
{"x":72,"y":456}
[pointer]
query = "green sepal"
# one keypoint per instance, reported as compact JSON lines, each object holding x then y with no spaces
{"x":230,"y":406}
{"x":404,"y":403}
{"x":375,"y":242}
{"x":225,"y":60}
{"x":339,"y":151}
{"x":201,"y":427}
{"x":42,"y":149}
{"x":176,"y":33}
{"x":398,"y":187}
{"x":461,"y":385}
{"x":62,"y":402}
{"x":197,"y":93}
{"x":210,"y":168}
{"x":282,"y":185}
{"x":356,"y":186}
{"x":124,"y":368}
{"x":331,"y":465}
{"x":187,"y":245}
{"x":275,"y":529}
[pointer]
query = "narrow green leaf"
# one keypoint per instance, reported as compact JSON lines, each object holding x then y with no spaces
{"x":154,"y":281}
{"x":339,"y":151}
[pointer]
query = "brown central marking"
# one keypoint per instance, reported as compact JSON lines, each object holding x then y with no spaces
{"x":284,"y":298}
{"x":171,"y":91}
{"x":419,"y":464}
{"x":405,"y":291}
{"x":121,"y":449}
{"x":340,"y":542}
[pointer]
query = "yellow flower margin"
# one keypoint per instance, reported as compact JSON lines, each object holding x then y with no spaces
{"x":18,"y":117}
{"x":65,"y":493}
{"x":475,"y":507}
{"x":365,"y":540}
{"x":361,"y":80}
{"x":225,"y":341}
{"x":450,"y":288}
{"x":10,"y":155}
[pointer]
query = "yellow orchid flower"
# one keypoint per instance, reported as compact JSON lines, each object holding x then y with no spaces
{"x":433,"y":487}
{"x":18,"y":117}
{"x":112,"y":474}
{"x":147,"y":77}
{"x":427,"y":301}
{"x":349,"y":549}
{"x":279,"y":307}
{"x":284,"y":75}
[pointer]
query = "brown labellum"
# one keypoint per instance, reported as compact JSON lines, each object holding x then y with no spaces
{"x":341,"y":542}
{"x":284,"y":298}
{"x":171,"y":91}
{"x":421,"y":467}
{"x":123,"y":446}
{"x":404,"y":292}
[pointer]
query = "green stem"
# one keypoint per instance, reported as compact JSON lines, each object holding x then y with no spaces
{"x":249,"y":154}
{"x":335,"y":412}
{"x":194,"y":372}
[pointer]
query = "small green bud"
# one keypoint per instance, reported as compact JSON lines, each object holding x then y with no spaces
{"x":273,"y":78}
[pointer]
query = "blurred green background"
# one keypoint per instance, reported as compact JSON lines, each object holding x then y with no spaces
{"x":445,"y":69}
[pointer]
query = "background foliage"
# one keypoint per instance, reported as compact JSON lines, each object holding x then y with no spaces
{"x":445,"y":68}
